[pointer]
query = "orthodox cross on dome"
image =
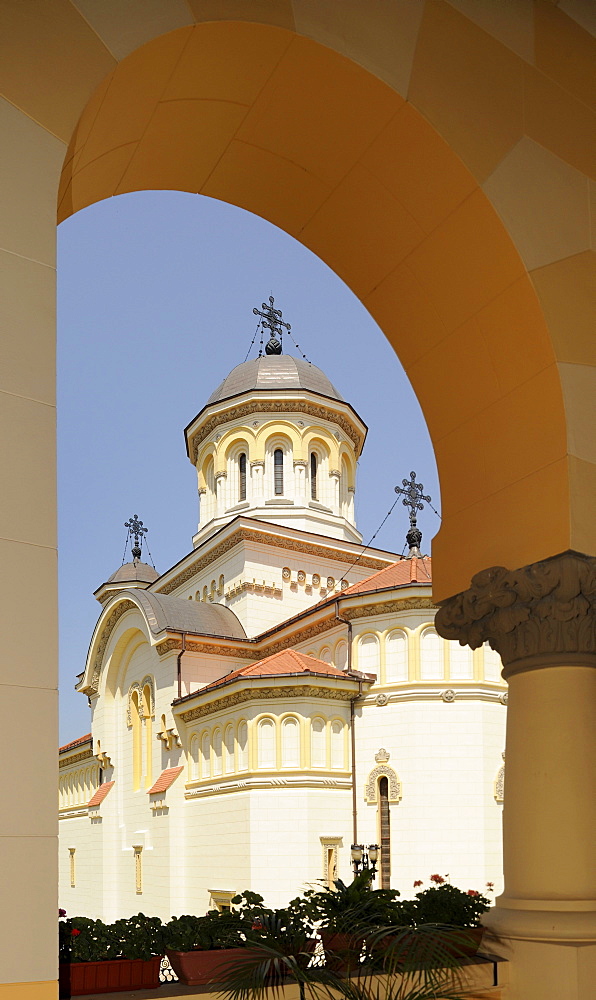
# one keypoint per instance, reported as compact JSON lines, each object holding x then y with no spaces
{"x":136,"y":530}
{"x":413,"y":497}
{"x":272,"y":321}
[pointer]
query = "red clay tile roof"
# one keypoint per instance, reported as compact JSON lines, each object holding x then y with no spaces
{"x":287,"y":661}
{"x":100,"y":794}
{"x":399,"y":574}
{"x":165,"y":779}
{"x":75,"y":743}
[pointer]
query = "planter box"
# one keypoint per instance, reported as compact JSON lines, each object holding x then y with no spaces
{"x":458,"y":943}
{"x":200,"y":968}
{"x":78,"y":978}
{"x":342,"y":951}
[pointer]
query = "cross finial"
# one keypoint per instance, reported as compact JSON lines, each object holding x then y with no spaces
{"x":413,"y":497}
{"x":273,"y":322}
{"x":136,"y":530}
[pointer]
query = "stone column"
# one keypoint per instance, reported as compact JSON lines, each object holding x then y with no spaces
{"x":351,"y":496}
{"x":220,"y":490}
{"x":202,"y":505}
{"x":334,"y":477}
{"x":257,"y":471}
{"x":542,"y":621}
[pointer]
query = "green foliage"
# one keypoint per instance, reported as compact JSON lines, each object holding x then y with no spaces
{"x":84,"y":940}
{"x":352,"y":907}
{"x":214,"y":930}
{"x":445,"y":904}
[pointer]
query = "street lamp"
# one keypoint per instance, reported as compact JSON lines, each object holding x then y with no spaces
{"x":365,"y":858}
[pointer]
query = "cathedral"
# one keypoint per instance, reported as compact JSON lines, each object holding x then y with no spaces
{"x":280,"y":694}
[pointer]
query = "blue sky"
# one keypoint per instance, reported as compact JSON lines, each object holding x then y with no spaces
{"x":155,"y":299}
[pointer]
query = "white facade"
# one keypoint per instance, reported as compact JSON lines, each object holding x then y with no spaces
{"x":227,"y":694}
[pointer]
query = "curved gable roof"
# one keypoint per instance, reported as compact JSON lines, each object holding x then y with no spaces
{"x":163,"y":612}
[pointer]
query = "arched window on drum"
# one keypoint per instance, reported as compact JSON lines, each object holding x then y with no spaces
{"x":194,"y":758}
{"x":337,"y":745}
{"x":290,"y":743}
{"x":318,"y":747}
{"x":461,"y":662}
{"x":396,"y":657}
{"x":242,"y":746}
{"x":432,"y":665}
{"x":205,"y":756}
{"x":266,"y":743}
{"x":368,"y":654}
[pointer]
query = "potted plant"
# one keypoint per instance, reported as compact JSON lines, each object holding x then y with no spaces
{"x":104,"y":958}
{"x":198,"y":947}
{"x":345,"y":914}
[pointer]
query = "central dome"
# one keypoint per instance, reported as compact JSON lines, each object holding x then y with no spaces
{"x":276,"y":372}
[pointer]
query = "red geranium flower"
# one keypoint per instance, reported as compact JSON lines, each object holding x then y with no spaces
{"x":75,"y":932}
{"x":417,"y":882}
{"x":437,"y":879}
{"x":472,"y":892}
{"x":490,"y":885}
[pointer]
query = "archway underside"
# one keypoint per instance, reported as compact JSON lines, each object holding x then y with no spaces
{"x":275,"y":123}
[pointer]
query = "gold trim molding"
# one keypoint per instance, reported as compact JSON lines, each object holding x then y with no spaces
{"x":266,"y":694}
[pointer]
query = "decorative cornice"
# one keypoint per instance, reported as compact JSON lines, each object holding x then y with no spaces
{"x":388,"y":607}
{"x":266,"y":694}
{"x":268,"y":781}
{"x":76,"y":758}
{"x":264,"y":538}
{"x":300,"y":461}
{"x":528,"y":615}
{"x":274,"y":406}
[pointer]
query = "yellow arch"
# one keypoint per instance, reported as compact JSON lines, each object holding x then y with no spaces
{"x":420,"y":245}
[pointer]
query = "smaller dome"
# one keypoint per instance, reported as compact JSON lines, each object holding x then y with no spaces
{"x":277,"y":372}
{"x":134,"y":572}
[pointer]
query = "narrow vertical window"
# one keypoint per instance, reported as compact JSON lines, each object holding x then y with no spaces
{"x":313,"y":476}
{"x":278,"y":472}
{"x":148,"y":736}
{"x":137,"y":746}
{"x":337,"y":745}
{"x":73,"y":870}
{"x":385,"y":830}
{"x":318,"y":748}
{"x":266,"y":744}
{"x":242,"y":475}
{"x":229,"y":750}
{"x":217,"y":748}
{"x":243,"y":747}
{"x":194,"y":758}
{"x":205,"y":756}
{"x":138,"y":870}
{"x":290,"y":743}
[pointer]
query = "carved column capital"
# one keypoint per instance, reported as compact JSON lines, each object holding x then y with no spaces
{"x":547,"y":609}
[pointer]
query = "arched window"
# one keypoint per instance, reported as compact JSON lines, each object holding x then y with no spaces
{"x":147,"y":709}
{"x":278,"y":472}
{"x":205,"y":756}
{"x":243,"y":747}
{"x":242,"y":477}
{"x":492,"y":664}
{"x":217,"y":753}
{"x":396,"y":657}
{"x":290,"y":743}
{"x":318,"y":750}
{"x":461,"y":662}
{"x":266,"y":743}
{"x":137,"y":748}
{"x":368,"y":654}
{"x":205,"y":594}
{"x":337,"y":745}
{"x":384,"y":834}
{"x":229,"y":750}
{"x":221,"y":585}
{"x":341,"y":655}
{"x":325,"y":654}
{"x":194,"y":758}
{"x":313,"y":476}
{"x":431,"y":656}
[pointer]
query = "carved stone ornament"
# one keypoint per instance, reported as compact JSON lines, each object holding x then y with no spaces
{"x":382,"y":756}
{"x":500,"y":782}
{"x":371,"y":789}
{"x":448,"y":695}
{"x":382,"y":700}
{"x":547,"y":608}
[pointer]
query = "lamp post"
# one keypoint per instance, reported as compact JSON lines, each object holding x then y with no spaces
{"x":365,"y":858}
